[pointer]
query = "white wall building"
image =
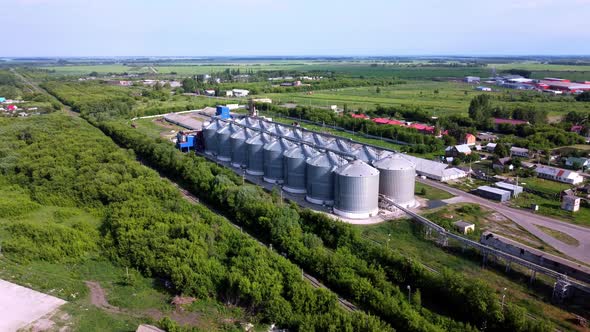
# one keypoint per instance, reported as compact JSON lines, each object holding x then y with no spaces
{"x":240,"y":92}
{"x":558,"y":174}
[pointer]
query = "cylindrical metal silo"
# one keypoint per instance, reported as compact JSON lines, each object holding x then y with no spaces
{"x":366,"y":154}
{"x":273,"y":160}
{"x":224,"y":143}
{"x":252,"y":123}
{"x":356,"y":190}
{"x":239,"y":150}
{"x":339,"y":145}
{"x":315,"y":139}
{"x":298,"y":134}
{"x":284,"y":131}
{"x":255,"y":146}
{"x":320,"y":178}
{"x":267,"y":126}
{"x":210,"y":137}
{"x":397,"y":177}
{"x":295,"y":163}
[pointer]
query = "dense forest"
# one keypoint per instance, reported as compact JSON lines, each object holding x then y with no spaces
{"x":62,"y":161}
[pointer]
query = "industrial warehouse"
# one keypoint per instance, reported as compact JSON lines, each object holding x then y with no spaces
{"x":328,"y":171}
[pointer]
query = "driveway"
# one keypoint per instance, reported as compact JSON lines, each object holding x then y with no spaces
{"x":529,"y":220}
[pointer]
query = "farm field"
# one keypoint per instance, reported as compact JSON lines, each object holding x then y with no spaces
{"x":439,"y":98}
{"x":347,"y":68}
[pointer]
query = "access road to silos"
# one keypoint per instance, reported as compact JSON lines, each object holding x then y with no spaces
{"x":529,"y":221}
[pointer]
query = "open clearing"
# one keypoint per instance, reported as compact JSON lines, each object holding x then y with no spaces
{"x":20,"y":306}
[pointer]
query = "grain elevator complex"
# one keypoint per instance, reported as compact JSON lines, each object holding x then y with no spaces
{"x":326,"y":170}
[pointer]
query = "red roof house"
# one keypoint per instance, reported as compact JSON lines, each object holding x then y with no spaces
{"x":381,"y":121}
{"x":359,"y":116}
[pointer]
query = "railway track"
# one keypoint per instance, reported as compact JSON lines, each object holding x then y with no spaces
{"x":346,"y":305}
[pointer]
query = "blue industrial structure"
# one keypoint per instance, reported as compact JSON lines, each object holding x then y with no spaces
{"x":186,"y":141}
{"x":223,"y":112}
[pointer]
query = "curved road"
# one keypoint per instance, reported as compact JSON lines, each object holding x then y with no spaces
{"x":528,"y":221}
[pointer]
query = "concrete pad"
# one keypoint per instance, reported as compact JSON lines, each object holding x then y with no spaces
{"x":20,"y":306}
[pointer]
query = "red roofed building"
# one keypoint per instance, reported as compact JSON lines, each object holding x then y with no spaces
{"x":469,"y":139}
{"x":389,"y":122}
{"x":359,"y":116}
{"x":396,"y":123}
{"x":426,"y":129}
{"x":381,"y":121}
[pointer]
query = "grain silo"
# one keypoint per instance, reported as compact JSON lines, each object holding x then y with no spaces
{"x":255,"y":153}
{"x":298,"y":134}
{"x":356,"y":190}
{"x":223,"y":141}
{"x":397,"y":176}
{"x":339,"y":145}
{"x":252,"y":123}
{"x":320,"y":178}
{"x":210,"y":136}
{"x":315,"y":139}
{"x":267,"y":126}
{"x":239,"y":150}
{"x":273,"y":160}
{"x":284,"y":131}
{"x":295,"y":164}
{"x":366,"y":154}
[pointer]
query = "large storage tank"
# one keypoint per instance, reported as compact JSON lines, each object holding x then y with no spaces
{"x":252,"y":123}
{"x":320,"y":178}
{"x":314,"y":138}
{"x":210,"y":136}
{"x":267,"y":126}
{"x":339,"y":145}
{"x":223,"y":141}
{"x":366,"y":154}
{"x":273,"y":160}
{"x":254,"y":147}
{"x":298,"y":134}
{"x":239,"y":150}
{"x":397,"y":177}
{"x":284,"y":131}
{"x":295,"y":164}
{"x":356,"y":190}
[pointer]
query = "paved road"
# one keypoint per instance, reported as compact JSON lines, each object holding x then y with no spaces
{"x":528,"y":220}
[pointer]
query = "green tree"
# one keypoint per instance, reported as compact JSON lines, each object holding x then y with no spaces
{"x":584,"y":96}
{"x":501,"y":150}
{"x":480,"y":109}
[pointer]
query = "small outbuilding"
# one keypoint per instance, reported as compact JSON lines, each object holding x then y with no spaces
{"x":464,"y":227}
{"x":570,"y":203}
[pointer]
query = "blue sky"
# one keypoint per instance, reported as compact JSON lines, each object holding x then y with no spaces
{"x":293,"y":27}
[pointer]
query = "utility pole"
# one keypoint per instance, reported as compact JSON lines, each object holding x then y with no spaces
{"x":503,"y":297}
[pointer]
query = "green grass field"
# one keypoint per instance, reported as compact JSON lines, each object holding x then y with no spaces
{"x":546,"y":186}
{"x":431,"y":192}
{"x":439,"y":98}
